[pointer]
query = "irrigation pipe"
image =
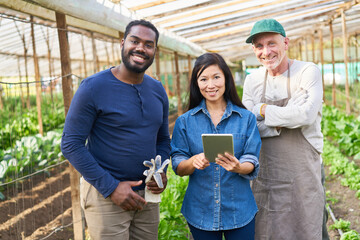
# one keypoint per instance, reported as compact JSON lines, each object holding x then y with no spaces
{"x":334,"y":219}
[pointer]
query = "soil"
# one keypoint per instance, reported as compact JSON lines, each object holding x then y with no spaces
{"x":345,"y":205}
{"x":37,"y":206}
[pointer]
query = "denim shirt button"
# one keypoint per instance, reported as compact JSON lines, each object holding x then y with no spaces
{"x":216,"y":185}
{"x":217,"y":201}
{"x":217,"y":168}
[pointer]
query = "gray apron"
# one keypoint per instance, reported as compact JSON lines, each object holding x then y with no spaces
{"x":288,"y":189}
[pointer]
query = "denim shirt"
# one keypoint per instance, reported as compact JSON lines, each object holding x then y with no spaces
{"x":217,"y":199}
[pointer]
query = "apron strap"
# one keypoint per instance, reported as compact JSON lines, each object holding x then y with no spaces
{"x":287,"y":87}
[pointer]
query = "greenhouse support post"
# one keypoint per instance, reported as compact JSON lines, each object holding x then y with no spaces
{"x":157,"y":60}
{"x":313,"y":48}
{"x":107,"y":55}
{"x":22,"y":36}
{"x":113,"y":53}
{"x":306,"y":49}
{"x":95,"y":57}
{"x":20,"y":79}
{"x":1,"y":102}
{"x":333,"y":64}
{"x":84,"y":56}
{"x":344,"y":32}
{"x":322,"y":59}
{"x":166,"y":79}
{"x":190,"y":69}
{"x":37,"y":78}
{"x":178,"y":88}
{"x":77,"y":215}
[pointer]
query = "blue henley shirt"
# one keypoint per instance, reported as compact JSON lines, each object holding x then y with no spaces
{"x":112,"y":127}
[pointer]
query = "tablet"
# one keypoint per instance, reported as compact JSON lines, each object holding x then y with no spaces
{"x":214,"y":144}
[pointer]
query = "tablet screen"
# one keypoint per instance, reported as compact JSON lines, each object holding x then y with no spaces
{"x":214,"y":144}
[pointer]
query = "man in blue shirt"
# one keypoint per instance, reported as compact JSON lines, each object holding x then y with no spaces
{"x":123,"y":115}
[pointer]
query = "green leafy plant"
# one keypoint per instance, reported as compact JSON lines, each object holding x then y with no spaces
{"x":341,"y":224}
{"x":331,"y":199}
{"x":172,"y":224}
{"x":29,"y":155}
{"x":342,"y":129}
{"x":17,"y":122}
{"x":350,"y":235}
{"x":340,"y":165}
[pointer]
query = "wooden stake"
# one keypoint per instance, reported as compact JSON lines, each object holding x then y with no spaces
{"x":78,"y":222}
{"x":20,"y":79}
{"x":356,"y":58}
{"x":190,"y":70}
{"x":322,"y":60}
{"x":26,"y":69}
{"x":333,"y":64}
{"x":167,"y":84}
{"x":107,"y":55}
{"x":178,"y":88}
{"x":37,"y":78}
{"x":47,"y":40}
{"x":157,"y":60}
{"x":313,"y":48}
{"x":95,"y":58}
{"x":347,"y":91}
{"x":306,"y":49}
{"x":84,"y":56}
{"x":1,"y":101}
{"x":113,"y":53}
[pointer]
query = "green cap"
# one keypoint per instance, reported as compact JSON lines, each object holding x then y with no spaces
{"x":266,"y":25}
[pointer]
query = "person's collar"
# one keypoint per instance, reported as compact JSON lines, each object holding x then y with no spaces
{"x":230,"y":107}
{"x":201,"y":106}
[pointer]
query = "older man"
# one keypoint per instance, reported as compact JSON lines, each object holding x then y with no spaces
{"x":286,"y":98}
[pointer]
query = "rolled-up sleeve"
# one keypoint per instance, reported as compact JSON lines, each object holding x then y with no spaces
{"x":252,"y":148}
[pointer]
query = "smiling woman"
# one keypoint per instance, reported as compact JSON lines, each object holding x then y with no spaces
{"x":215,"y":107}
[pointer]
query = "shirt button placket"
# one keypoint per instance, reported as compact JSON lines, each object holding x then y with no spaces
{"x":217,"y":198}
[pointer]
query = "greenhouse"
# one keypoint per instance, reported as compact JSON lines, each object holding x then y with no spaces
{"x":49,"y":47}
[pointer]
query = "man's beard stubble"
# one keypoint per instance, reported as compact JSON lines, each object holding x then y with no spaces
{"x":134,"y":68}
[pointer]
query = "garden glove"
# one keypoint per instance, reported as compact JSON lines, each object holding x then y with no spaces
{"x":299,"y":97}
{"x":257,"y":111}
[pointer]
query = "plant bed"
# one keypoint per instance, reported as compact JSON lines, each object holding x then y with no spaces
{"x":344,"y":204}
{"x":40,"y":200}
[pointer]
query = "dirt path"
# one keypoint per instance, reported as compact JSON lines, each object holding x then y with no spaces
{"x":345,"y":204}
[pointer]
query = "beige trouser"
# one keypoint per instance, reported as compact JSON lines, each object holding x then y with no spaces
{"x":107,"y":221}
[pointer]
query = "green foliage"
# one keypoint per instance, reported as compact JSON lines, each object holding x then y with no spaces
{"x":173,"y":225}
{"x":17,"y":122}
{"x":173,"y":102}
{"x":345,"y":227}
{"x":342,"y":225}
{"x":350,"y":235}
{"x":343,"y":129}
{"x":239,"y":90}
{"x":29,"y":155}
{"x":331,"y":199}
{"x":340,"y":165}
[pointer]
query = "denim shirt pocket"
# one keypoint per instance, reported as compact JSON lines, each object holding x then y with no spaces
{"x":239,"y":142}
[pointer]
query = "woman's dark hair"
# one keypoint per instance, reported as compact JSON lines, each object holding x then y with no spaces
{"x":203,"y":62}
{"x":144,"y":23}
